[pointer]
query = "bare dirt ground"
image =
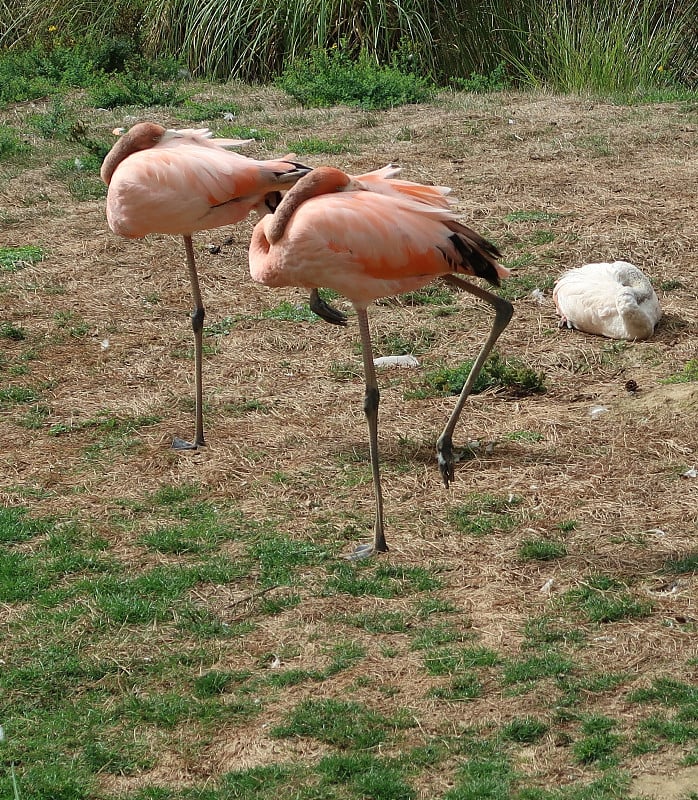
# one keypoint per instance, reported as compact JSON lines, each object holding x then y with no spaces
{"x":556,"y":182}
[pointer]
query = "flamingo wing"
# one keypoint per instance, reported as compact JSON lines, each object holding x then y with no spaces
{"x":363,"y":244}
{"x":182,"y":188}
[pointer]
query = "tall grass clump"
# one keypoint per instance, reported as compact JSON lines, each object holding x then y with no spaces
{"x":626,"y":49}
{"x":255,"y":40}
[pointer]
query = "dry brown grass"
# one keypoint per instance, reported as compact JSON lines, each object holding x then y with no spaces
{"x":622,"y":184}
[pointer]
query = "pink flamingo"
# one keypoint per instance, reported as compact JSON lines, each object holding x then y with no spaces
{"x":181,"y":181}
{"x":368,"y":237}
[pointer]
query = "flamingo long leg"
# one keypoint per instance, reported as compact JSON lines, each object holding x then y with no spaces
{"x":371,"y":401}
{"x":197,"y":324}
{"x":503,"y":313}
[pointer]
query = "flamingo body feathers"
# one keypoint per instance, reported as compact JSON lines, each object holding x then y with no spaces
{"x":179,"y":182}
{"x":615,"y":300}
{"x":370,"y":238}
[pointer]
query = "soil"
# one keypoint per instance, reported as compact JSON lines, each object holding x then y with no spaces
{"x":556,"y":182}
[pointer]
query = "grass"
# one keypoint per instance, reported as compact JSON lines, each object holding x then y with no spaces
{"x":509,"y":375}
{"x":484,"y":514}
{"x":343,"y":724}
{"x":160,"y":613}
{"x":688,"y":374}
{"x":13,"y":259}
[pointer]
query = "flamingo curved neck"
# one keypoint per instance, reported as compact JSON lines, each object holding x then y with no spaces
{"x":324,"y":180}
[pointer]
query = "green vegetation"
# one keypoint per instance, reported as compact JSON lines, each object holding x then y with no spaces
{"x":16,"y":258}
{"x":687,"y":375}
{"x":541,"y":550}
{"x":384,"y":54}
{"x":334,"y":78}
{"x":484,"y":514}
{"x":510,"y":375}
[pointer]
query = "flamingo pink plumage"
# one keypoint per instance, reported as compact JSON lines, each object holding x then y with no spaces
{"x":181,"y":181}
{"x":375,"y":236}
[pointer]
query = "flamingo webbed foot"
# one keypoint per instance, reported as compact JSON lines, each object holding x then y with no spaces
{"x":362,"y":551}
{"x":182,"y":444}
{"x":324,"y":310}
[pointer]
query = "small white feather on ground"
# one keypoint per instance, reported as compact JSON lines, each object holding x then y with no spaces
{"x":609,"y":299}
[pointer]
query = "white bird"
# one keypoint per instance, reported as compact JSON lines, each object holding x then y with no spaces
{"x":609,"y":299}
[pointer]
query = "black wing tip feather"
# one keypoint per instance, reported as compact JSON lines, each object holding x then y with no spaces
{"x":478,"y":253}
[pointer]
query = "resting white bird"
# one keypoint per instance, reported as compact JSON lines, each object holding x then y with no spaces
{"x":614,"y":300}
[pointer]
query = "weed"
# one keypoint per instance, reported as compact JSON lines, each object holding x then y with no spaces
{"x":545,"y":630}
{"x":541,"y":550}
{"x":438,"y":635}
{"x":277,"y":558}
{"x":315,"y":146}
{"x":17,"y":395}
{"x":494,"y":81}
{"x":486,"y":774}
{"x":688,"y":374}
{"x":290,"y":312}
{"x":531,"y":216}
{"x":684,"y":565}
{"x":13,"y":259}
{"x":528,"y":670}
{"x":484,"y":514}
{"x":256,"y":783}
{"x":462,"y":687}
{"x":670,"y":285}
{"x":433,"y":605}
{"x":12,"y":145}
{"x":450,"y":661}
{"x":524,"y":730}
{"x":509,"y":375}
{"x":197,"y":111}
{"x":246,"y":132}
{"x":524,"y":436}
{"x":17,"y":526}
{"x":518,"y":286}
{"x":383,"y":581}
{"x":13,"y":332}
{"x":668,"y":692}
{"x":381,"y":622}
{"x":433,"y":294}
{"x":132,"y":90}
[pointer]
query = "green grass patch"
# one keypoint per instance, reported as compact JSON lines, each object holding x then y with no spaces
{"x":541,"y":550}
{"x":509,"y":375}
{"x":11,"y":144}
{"x":524,"y":730}
{"x":12,"y":259}
{"x":602,"y":600}
{"x":386,"y":580}
{"x":312,"y":145}
{"x":344,"y":724}
{"x":482,"y":514}
{"x":550,"y":664}
{"x":448,"y":661}
{"x":684,"y":565}
{"x":599,"y":743}
{"x":14,"y":333}
{"x":688,"y":374}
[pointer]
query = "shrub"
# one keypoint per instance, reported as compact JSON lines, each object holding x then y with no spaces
{"x":333,"y":78}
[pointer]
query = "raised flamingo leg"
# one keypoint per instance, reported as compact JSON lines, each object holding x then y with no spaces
{"x":503,"y":313}
{"x":371,"y":400}
{"x":197,"y":324}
